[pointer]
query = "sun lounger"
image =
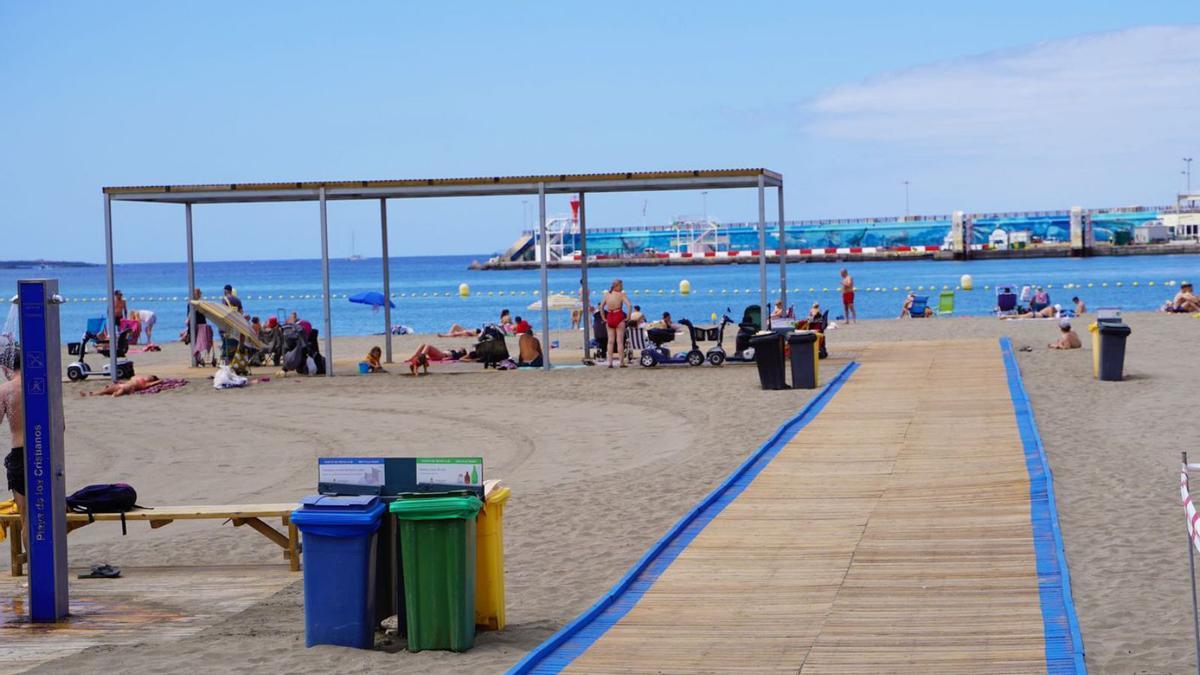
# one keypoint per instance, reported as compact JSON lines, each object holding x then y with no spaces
{"x":919,"y":304}
{"x":248,"y":514}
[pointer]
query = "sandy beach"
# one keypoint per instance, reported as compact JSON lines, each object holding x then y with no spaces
{"x":601,"y":463}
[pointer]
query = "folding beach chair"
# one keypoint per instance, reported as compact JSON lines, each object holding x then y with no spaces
{"x":1006,"y":300}
{"x":919,"y":304}
{"x":635,"y":342}
{"x":945,"y":303}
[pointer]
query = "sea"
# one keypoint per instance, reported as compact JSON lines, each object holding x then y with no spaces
{"x":426,"y":290}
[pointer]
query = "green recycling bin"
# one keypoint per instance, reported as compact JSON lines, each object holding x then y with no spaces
{"x":437,"y":555}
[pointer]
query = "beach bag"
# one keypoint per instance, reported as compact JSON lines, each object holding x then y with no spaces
{"x":104,"y":498}
{"x":310,"y":366}
{"x":225,"y":378}
{"x":294,"y":358}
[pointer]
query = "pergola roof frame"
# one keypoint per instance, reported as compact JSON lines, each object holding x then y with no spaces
{"x":382,"y":190}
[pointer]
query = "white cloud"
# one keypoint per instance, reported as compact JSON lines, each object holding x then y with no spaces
{"x":1094,"y":95}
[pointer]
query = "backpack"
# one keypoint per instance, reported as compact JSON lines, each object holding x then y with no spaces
{"x":104,"y":498}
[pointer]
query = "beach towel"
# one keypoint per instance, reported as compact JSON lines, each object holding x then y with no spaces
{"x":204,"y":339}
{"x":162,"y":385}
{"x":7,"y":508}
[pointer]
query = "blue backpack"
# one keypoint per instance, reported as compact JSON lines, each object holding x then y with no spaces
{"x":104,"y":498}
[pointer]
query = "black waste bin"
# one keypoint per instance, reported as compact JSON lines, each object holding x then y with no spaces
{"x":803,"y":347}
{"x":768,"y":356}
{"x":1112,"y":351}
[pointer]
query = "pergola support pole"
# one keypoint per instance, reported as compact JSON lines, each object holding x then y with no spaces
{"x":585,"y":295}
{"x":387,"y":284}
{"x":191,"y":271}
{"x":782,"y":251}
{"x":113,"y":331}
{"x":544,"y":252}
{"x":765,"y":310}
{"x":328,"y":322}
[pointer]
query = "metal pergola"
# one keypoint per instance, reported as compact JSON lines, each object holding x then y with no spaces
{"x":383,"y":190}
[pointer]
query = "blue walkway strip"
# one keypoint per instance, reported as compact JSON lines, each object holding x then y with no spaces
{"x":1064,"y":645}
{"x":576,"y":637}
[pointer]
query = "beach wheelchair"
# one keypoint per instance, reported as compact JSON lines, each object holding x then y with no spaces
{"x":658,"y":354}
{"x":80,"y":370}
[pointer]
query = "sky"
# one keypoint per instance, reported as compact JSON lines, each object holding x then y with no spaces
{"x":979,"y":106}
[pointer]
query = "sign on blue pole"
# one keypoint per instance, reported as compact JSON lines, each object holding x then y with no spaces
{"x":45,"y":482}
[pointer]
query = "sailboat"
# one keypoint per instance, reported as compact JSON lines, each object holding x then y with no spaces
{"x":353,"y":256}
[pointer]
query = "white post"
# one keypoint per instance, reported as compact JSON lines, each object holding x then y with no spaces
{"x":387,"y":284}
{"x":328,"y":323}
{"x":113,"y":331}
{"x":765,"y":310}
{"x":585,"y":294}
{"x":544,"y":253}
{"x":191,"y":272}
{"x":782,"y":251}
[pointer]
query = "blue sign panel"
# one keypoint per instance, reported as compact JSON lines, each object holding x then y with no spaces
{"x":41,"y":370}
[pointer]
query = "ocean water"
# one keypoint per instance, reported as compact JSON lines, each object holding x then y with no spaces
{"x":426,"y":288}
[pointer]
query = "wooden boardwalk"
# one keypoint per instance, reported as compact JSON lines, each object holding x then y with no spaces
{"x":892,"y":534}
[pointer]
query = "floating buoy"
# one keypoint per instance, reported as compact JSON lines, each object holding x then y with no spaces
{"x":464,"y":290}
{"x":1150,"y":283}
{"x":685,"y":287}
{"x":895,"y":289}
{"x":735,"y":290}
{"x":1135,"y":283}
{"x":1090,"y":284}
{"x":966,"y":282}
{"x":811,"y":290}
{"x":1118,"y":284}
{"x":1104,"y":284}
{"x":713,"y":316}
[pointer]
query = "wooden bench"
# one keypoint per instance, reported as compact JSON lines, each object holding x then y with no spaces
{"x":249,"y":514}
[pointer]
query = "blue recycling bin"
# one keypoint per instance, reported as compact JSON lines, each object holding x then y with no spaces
{"x":339,"y":537}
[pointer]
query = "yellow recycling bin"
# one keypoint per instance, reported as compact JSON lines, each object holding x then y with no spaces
{"x":1094,"y":329}
{"x":489,"y":561}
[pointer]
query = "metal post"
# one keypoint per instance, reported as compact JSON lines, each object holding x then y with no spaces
{"x":544,"y":252}
{"x":782,"y":252}
{"x":113,"y":330}
{"x":585,"y":295}
{"x":387,"y":285}
{"x":191,"y":271}
{"x":765,"y":310}
{"x":328,"y":323}
{"x":1192,"y":577}
{"x":45,"y":482}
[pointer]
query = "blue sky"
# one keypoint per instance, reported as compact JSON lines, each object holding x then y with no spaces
{"x":1009,"y":106}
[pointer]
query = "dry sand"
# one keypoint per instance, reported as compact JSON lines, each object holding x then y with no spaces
{"x":601,"y":463}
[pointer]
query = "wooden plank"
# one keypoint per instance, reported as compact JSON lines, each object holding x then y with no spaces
{"x":221,"y":512}
{"x":891,"y":534}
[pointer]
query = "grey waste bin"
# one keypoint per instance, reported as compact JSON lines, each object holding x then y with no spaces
{"x":803,"y":348}
{"x":768,"y":356}
{"x":1112,"y":351}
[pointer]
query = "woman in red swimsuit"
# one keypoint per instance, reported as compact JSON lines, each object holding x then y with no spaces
{"x":614,"y":304}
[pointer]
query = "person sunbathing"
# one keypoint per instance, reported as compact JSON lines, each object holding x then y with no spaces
{"x":530,"y":350}
{"x":426,"y":353}
{"x":458,"y":331}
{"x":1068,"y":339}
{"x":134,"y":385}
{"x":1185,"y":300}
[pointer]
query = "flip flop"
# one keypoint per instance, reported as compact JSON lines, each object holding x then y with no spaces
{"x":104,"y":571}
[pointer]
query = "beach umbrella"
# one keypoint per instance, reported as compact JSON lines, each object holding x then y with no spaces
{"x":558,"y":301}
{"x":229,"y":320}
{"x":372,"y":298}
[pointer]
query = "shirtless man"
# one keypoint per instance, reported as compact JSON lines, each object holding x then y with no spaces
{"x":1185,"y":300}
{"x":847,"y":284}
{"x":134,"y":385}
{"x":11,"y":406}
{"x":614,"y":304}
{"x":1068,"y":340}
{"x":529,"y":350}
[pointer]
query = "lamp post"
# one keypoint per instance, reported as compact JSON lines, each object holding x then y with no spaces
{"x":905,"y":200}
{"x":704,"y":203}
{"x":1187,"y":163}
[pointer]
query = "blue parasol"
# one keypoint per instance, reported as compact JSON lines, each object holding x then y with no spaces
{"x":372,"y":298}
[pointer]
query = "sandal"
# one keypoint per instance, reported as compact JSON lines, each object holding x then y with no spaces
{"x":103,"y":571}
